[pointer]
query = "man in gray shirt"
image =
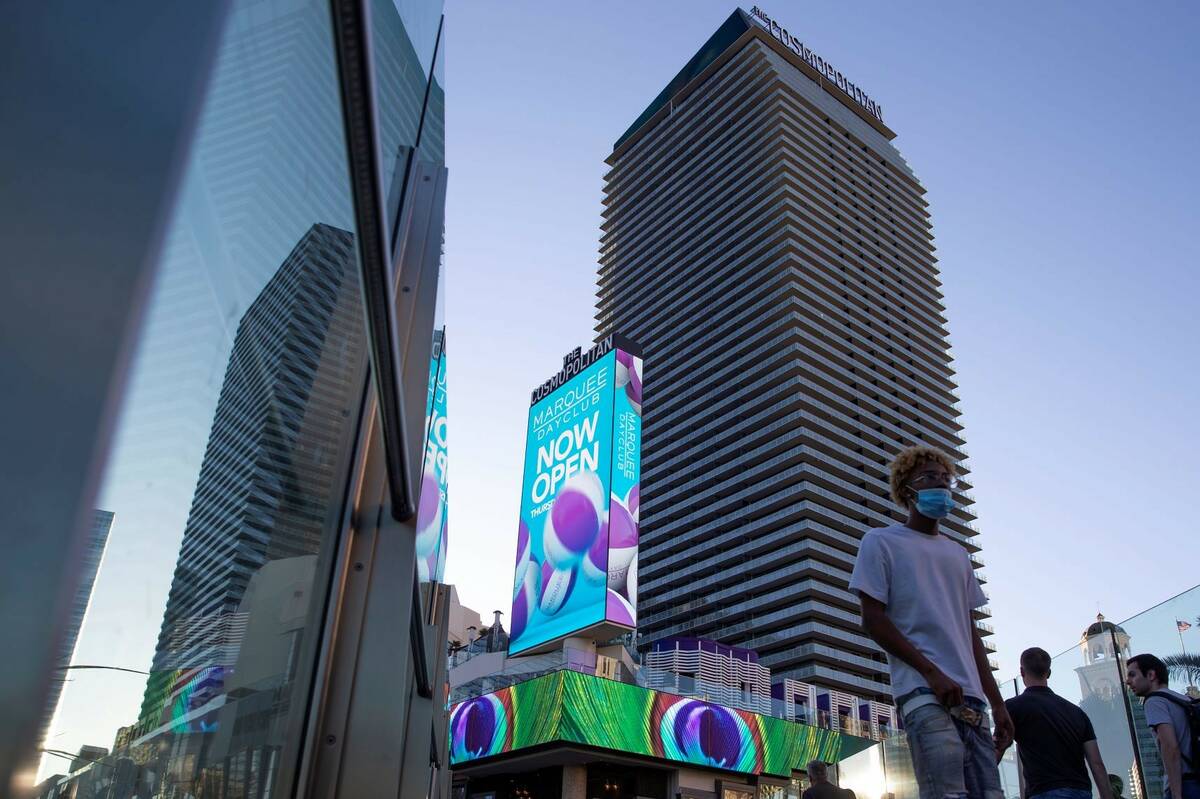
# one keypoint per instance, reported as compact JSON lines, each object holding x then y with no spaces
{"x":1167,"y":715}
{"x":917,"y":589}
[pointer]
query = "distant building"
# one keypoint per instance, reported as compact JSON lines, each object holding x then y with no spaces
{"x":251,"y":726}
{"x":97,"y":540}
{"x":464,"y":622}
{"x":87,"y":755}
{"x":695,"y":667}
{"x":1114,"y":710}
{"x":836,"y":710}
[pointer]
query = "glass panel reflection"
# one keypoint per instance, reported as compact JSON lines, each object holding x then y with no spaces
{"x":227,"y":476}
{"x":1092,"y":675}
{"x":404,"y":37}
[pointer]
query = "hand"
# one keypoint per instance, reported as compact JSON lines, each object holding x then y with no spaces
{"x":947,"y":691}
{"x":1002,"y":728}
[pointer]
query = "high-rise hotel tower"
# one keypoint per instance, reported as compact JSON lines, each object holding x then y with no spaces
{"x":772,"y":251}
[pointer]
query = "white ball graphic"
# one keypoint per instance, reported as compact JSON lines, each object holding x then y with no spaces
{"x":622,"y":545}
{"x":557,"y":585}
{"x":631,"y":583}
{"x":524,"y":601}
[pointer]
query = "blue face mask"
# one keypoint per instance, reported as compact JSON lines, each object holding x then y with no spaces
{"x":935,"y":503}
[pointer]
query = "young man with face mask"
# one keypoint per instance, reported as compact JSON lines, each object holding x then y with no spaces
{"x":917,"y":589}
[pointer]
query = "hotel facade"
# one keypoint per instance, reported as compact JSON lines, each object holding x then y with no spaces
{"x":769,"y":246}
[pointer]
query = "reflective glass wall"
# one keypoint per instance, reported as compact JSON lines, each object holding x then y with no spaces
{"x":223,"y":498}
{"x":1091,"y":674}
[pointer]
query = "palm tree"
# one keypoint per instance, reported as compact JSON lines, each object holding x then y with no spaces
{"x":1184,"y":666}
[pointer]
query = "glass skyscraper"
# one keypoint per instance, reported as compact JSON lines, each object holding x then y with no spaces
{"x":772,"y":250}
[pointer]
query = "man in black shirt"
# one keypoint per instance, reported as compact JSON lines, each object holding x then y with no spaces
{"x":1054,"y":739}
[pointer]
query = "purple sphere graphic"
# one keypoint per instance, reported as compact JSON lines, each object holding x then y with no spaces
{"x":478,"y":728}
{"x":633,"y":501}
{"x":574,"y":519}
{"x":429,"y":515}
{"x":629,"y":377}
{"x":525,"y":600}
{"x":707,"y":734}
{"x":524,"y":556}
{"x":618,"y":610}
{"x":593,"y":566}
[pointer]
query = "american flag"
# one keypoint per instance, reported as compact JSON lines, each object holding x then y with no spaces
{"x":1182,"y":626}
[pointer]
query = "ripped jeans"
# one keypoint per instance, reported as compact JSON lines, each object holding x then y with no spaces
{"x":952,"y":759}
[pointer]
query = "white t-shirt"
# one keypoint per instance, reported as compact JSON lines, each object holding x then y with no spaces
{"x":929,"y":588}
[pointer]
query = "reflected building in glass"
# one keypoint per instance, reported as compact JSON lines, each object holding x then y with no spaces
{"x":235,"y":456}
{"x":770,"y":246}
{"x":265,"y":490}
{"x":1115,"y":711}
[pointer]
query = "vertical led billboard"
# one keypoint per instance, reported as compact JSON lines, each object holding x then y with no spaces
{"x":432,"y":508}
{"x":577,"y":539}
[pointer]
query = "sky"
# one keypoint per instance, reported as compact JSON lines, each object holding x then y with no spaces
{"x":1056,"y":145}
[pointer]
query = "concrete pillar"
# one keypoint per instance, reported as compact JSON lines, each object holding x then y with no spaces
{"x":574,"y":783}
{"x":580,"y":652}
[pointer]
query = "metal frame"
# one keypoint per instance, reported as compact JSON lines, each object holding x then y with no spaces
{"x":370,"y":716}
{"x":373,"y":726}
{"x":356,"y":78}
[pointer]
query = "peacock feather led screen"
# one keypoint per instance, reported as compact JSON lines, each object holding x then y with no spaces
{"x":571,"y":707}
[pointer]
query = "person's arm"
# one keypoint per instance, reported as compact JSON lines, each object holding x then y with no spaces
{"x":1002,"y":725}
{"x":882,"y":631}
{"x":1021,"y":779}
{"x":1000,"y":750}
{"x":1168,"y":748}
{"x":1091,"y":753}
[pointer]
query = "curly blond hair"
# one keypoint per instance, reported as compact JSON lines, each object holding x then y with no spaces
{"x":907,"y":462}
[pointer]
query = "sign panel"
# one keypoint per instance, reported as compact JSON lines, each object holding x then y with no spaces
{"x":823,"y":67}
{"x":577,"y":539}
{"x":432,"y":508}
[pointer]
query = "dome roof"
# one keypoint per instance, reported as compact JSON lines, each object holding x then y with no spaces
{"x":1100,"y":627}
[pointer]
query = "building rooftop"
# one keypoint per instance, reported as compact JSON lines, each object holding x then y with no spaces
{"x":1102,"y":626}
{"x":739,"y":26}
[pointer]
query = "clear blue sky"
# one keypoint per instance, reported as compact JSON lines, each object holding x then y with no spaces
{"x":1057,"y":144}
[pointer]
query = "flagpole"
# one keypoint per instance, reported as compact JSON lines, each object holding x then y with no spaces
{"x":1179,"y":632}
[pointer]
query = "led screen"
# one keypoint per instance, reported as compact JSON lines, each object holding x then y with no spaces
{"x":571,"y":707}
{"x":577,"y":538}
{"x":432,"y":509}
